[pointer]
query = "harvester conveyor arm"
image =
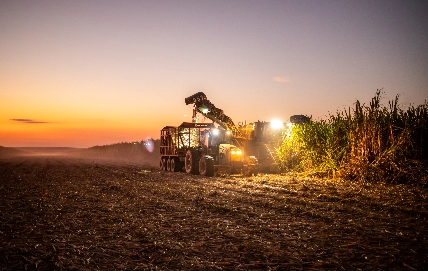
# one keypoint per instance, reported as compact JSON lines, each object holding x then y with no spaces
{"x":203,"y":106}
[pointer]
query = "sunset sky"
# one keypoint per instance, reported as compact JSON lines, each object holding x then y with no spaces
{"x":85,"y":73}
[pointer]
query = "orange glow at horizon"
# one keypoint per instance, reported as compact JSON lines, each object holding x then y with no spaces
{"x":31,"y":133}
{"x":43,"y":118}
{"x":80,"y":138}
{"x":83,"y":122}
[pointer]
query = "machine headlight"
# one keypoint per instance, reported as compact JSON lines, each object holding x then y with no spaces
{"x":276,"y":124}
{"x":237,"y":152}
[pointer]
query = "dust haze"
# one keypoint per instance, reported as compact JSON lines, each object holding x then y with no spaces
{"x":116,"y":154}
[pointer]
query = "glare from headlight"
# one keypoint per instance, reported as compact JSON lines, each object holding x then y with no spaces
{"x":276,"y":124}
{"x":215,"y":132}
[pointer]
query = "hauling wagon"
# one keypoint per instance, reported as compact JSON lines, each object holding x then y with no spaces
{"x":201,"y":148}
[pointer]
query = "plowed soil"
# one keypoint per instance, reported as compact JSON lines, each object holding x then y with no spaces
{"x":61,"y":211}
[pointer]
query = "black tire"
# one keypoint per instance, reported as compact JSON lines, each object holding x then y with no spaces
{"x":168,"y":164}
{"x":162,"y":163}
{"x":251,"y":166}
{"x":248,"y":171}
{"x":206,"y":166}
{"x":175,"y":164}
{"x":191,"y":162}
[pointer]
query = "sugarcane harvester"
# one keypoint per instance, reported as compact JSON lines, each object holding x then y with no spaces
{"x":203,"y":148}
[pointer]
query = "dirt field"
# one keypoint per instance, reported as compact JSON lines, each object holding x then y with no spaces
{"x":61,"y":211}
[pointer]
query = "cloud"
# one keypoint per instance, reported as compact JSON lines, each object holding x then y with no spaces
{"x":281,"y":79}
{"x":29,"y":121}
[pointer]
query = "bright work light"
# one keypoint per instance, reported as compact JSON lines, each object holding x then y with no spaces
{"x":276,"y":124}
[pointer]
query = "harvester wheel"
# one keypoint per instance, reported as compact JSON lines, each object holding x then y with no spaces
{"x":173,"y":165}
{"x":251,"y":166}
{"x":206,"y":166}
{"x":162,"y":163}
{"x":168,"y":164}
{"x":248,"y":171}
{"x":191,"y":162}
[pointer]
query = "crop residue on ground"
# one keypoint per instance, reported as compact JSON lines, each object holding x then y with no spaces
{"x":60,"y":212}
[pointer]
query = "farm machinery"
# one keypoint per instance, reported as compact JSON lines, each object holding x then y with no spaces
{"x":220,"y":146}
